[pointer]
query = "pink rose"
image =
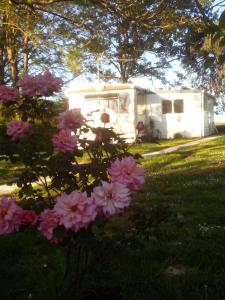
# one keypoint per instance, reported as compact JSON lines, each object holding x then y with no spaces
{"x":29,"y":217}
{"x":41,"y":85}
{"x":140,"y":126}
{"x":75,"y":210}
{"x":105,"y":118}
{"x":127,"y":172}
{"x":64,"y":141}
{"x":49,"y":220}
{"x":111,"y":198}
{"x":48,"y":83}
{"x":10,"y":215}
{"x":29,"y":86}
{"x":18,"y":129}
{"x":70,"y":119}
{"x":8,"y":94}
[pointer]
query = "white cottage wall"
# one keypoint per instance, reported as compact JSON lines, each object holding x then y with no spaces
{"x":127,"y":104}
{"x":121,"y":110}
{"x":188,"y":123}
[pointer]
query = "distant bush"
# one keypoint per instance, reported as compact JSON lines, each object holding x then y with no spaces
{"x":220,"y":128}
{"x":177,"y":135}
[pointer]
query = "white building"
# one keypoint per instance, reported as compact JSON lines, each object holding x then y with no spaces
{"x":186,"y":113}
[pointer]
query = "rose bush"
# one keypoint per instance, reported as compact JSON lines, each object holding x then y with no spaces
{"x":82,"y":180}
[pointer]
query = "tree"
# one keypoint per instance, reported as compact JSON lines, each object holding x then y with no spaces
{"x":203,"y":49}
{"x":42,"y":42}
{"x":127,"y":39}
{"x":137,"y":39}
{"x":124,"y":39}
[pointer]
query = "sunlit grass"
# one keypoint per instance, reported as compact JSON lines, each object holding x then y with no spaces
{"x":9,"y":172}
{"x":158,"y":145}
{"x":169,"y":245}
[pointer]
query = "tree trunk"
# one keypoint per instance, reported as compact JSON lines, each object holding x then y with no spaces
{"x":25,"y":55}
{"x":12,"y":59}
{"x":10,"y":40}
{"x":2,"y":66}
{"x":123,"y":72}
{"x":2,"y":49}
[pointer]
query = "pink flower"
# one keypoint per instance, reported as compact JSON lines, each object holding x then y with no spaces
{"x":140,"y":126}
{"x":111,"y":198}
{"x":29,"y":86}
{"x":29,"y":217}
{"x":105,"y":118}
{"x":49,"y":220}
{"x":127,"y":172}
{"x":75,"y":210}
{"x":10,"y":215}
{"x":70,"y":119}
{"x":64,"y":141}
{"x":18,"y":129}
{"x":48,"y":83}
{"x":41,"y":85}
{"x":8,"y":94}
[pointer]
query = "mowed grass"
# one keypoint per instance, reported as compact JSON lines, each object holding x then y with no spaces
{"x":9,"y":172}
{"x":169,"y":245}
{"x":158,"y":145}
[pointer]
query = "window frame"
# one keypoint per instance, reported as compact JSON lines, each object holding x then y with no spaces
{"x":165,"y":107}
{"x":176,"y":105}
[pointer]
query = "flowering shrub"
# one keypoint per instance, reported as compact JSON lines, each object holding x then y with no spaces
{"x":64,"y":141}
{"x":8,"y":94}
{"x":18,"y":129}
{"x":70,"y":119}
{"x":82,"y":180}
{"x":40,"y":85}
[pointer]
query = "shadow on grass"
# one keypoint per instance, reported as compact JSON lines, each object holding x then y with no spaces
{"x":169,"y":245}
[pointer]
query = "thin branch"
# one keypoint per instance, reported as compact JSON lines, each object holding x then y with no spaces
{"x":60,"y":16}
{"x":38,"y":2}
{"x":206,"y":19}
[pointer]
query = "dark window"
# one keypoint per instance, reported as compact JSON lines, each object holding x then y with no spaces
{"x":178,"y":106}
{"x":166,"y":107}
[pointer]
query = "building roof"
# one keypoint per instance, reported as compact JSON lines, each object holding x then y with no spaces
{"x":161,"y":91}
{"x":126,"y":86}
{"x":104,"y":88}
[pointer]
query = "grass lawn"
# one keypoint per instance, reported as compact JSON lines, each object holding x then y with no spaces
{"x":9,"y":171}
{"x":169,"y":245}
{"x":159,"y":145}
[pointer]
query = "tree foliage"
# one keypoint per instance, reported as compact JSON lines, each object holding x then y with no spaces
{"x":115,"y":39}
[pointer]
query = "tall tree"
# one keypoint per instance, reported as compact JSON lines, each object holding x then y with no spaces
{"x":204,"y":51}
{"x":34,"y":36}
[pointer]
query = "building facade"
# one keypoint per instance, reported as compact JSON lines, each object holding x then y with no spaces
{"x":165,"y":114}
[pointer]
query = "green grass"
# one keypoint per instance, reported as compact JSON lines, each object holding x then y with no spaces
{"x":9,"y":172}
{"x":169,"y":245}
{"x":158,"y":145}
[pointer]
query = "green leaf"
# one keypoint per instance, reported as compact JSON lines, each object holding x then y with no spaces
{"x":28,"y":190}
